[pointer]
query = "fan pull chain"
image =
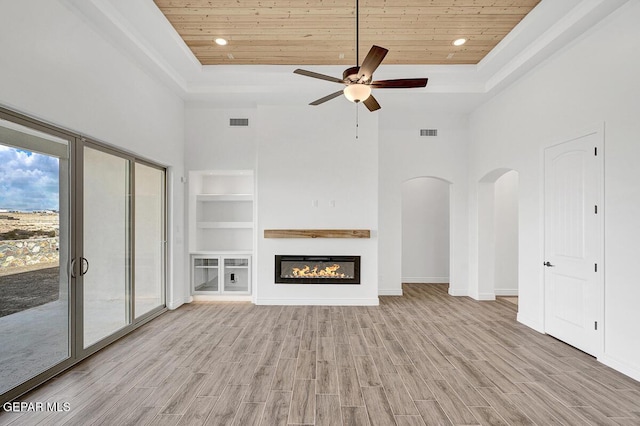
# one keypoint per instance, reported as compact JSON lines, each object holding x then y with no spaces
{"x":357,"y":123}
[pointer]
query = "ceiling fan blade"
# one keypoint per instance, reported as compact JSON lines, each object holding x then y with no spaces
{"x":327,"y":98}
{"x":402,"y":83}
{"x":318,"y":75}
{"x":371,"y":103}
{"x":372,"y":61}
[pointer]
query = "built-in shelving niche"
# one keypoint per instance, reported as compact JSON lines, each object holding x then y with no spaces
{"x":221,"y":222}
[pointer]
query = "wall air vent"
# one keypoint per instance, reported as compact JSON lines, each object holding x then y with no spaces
{"x":238,"y":122}
{"x":428,"y":132}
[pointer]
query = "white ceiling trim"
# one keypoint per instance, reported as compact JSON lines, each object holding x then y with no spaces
{"x":143,"y":32}
{"x":570,"y":26}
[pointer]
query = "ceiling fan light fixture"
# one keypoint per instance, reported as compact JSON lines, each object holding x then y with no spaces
{"x":459,"y":42}
{"x":357,"y":92}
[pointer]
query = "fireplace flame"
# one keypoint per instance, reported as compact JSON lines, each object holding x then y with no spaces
{"x":327,"y":272}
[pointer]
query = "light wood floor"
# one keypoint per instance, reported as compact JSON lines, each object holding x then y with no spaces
{"x":425,"y":358}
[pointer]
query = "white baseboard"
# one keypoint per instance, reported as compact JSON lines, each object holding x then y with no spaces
{"x":425,"y":280}
{"x":457,"y":292}
{"x":486,"y":296}
{"x":175,"y":305}
{"x":221,"y":298}
{"x":530,"y":323}
{"x":621,"y":366}
{"x":319,"y":302}
{"x":390,"y":292}
{"x":506,"y":291}
{"x":481,"y":296}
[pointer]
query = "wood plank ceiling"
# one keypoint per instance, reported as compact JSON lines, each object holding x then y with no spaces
{"x":322,"y":32}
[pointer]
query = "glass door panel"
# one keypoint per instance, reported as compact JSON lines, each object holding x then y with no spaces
{"x":106,"y":245}
{"x":149,"y":239}
{"x":236,"y":275}
{"x":34,"y":252}
{"x":205,"y":274}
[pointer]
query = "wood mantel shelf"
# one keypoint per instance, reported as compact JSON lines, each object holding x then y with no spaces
{"x":317,"y":233}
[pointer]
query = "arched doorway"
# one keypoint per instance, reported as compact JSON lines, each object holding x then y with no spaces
{"x":425,"y":230}
{"x":498,"y":234}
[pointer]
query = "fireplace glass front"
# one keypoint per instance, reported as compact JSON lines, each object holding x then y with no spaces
{"x":317,"y":269}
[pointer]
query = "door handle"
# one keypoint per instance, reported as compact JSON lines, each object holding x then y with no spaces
{"x":82,"y":270}
{"x":72,"y":268}
{"x":548,"y":264}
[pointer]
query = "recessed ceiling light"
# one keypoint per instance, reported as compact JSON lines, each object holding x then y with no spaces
{"x":459,"y":42}
{"x":221,"y":42}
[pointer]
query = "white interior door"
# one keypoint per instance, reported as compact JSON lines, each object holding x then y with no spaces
{"x":573,"y":242}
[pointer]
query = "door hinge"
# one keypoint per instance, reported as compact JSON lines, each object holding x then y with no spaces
{"x":595,"y":325}
{"x":595,"y":151}
{"x":595,"y":267}
{"x":596,"y":209}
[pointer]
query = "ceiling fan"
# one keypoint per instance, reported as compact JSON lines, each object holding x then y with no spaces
{"x":359,"y":79}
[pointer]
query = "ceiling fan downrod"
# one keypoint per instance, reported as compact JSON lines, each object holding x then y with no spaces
{"x":358,"y":80}
{"x":357,"y":34}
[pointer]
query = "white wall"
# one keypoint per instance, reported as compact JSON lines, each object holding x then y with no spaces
{"x":211,"y":144}
{"x":308,"y":154}
{"x":404,"y":155}
{"x":300,"y":154}
{"x":506,"y":235}
{"x":425,"y":231}
{"x":54,"y":67}
{"x":592,"y":81}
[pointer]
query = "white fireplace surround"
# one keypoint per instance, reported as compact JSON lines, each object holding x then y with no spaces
{"x":314,"y":176}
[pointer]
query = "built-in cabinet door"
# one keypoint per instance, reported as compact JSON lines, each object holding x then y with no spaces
{"x":205,"y":274}
{"x":236,"y":275}
{"x":220,"y":274}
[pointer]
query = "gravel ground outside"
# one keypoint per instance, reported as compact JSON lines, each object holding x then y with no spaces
{"x":25,"y":290}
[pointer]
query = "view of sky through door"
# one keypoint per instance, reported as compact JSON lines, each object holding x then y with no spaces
{"x":28,"y":180}
{"x":34,"y":290}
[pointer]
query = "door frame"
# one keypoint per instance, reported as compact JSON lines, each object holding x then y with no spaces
{"x":598,"y":130}
{"x":55,"y":369}
{"x":76,"y":146}
{"x":78,"y":337}
{"x":165,"y":233}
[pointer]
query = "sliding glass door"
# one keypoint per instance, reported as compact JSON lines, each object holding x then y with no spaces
{"x":150,"y":238}
{"x":82,"y":249}
{"x":35,"y":294}
{"x":105,"y":263}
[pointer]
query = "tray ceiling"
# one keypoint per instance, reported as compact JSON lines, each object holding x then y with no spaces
{"x":322,"y":32}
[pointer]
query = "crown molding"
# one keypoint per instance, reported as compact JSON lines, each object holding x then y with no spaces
{"x":140,"y":30}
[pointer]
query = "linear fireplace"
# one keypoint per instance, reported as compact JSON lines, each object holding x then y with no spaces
{"x":317,"y":269}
